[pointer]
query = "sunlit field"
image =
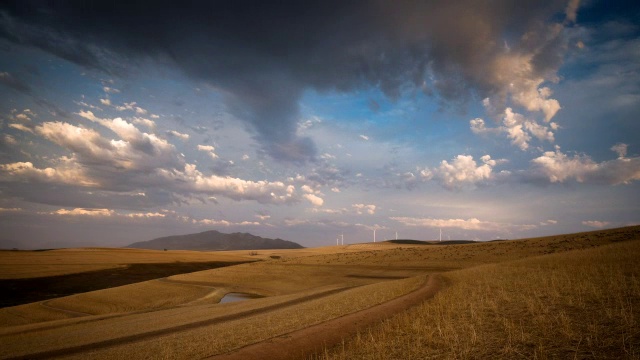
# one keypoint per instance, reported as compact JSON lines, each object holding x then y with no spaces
{"x":562,"y":296}
{"x":32,"y":264}
{"x":572,"y":305}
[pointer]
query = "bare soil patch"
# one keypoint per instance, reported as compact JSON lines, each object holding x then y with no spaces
{"x":24,"y":291}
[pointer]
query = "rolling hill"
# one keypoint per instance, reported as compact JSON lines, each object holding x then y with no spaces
{"x":432,"y":242}
{"x":215,"y":240}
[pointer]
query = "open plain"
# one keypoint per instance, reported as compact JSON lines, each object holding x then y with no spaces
{"x":565,"y":296}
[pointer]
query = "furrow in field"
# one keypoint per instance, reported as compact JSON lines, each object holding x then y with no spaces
{"x":70,"y":312}
{"x":146,"y":336}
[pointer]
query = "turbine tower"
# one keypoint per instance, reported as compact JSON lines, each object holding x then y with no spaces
{"x":342,"y":235}
{"x":374,"y":235}
{"x":440,"y":234}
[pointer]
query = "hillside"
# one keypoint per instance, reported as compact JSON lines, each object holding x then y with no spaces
{"x":432,"y":242}
{"x":215,"y":240}
{"x":561,"y":296}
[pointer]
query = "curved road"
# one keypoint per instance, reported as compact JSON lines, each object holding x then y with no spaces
{"x":294,"y":345}
{"x":77,"y":349}
{"x":302,"y":343}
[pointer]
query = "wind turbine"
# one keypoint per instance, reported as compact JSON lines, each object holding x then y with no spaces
{"x":374,"y":235}
{"x":441,"y":234}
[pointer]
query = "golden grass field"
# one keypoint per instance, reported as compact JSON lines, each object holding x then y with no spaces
{"x":565,"y":296}
{"x":32,"y":264}
{"x":572,"y":305}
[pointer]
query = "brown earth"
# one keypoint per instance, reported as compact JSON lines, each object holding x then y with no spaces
{"x":24,"y":291}
{"x":312,"y":340}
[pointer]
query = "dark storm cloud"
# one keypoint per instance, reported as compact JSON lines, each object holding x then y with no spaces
{"x":18,"y":84}
{"x":14,"y":83}
{"x":262,"y":55}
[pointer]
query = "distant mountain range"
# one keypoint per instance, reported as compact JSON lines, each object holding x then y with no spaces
{"x":215,"y":240}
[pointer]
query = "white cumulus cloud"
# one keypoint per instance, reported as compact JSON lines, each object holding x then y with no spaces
{"x":132,"y":106}
{"x":27,"y":172}
{"x":209,"y":150}
{"x":559,"y":167}
{"x":464,"y":224}
{"x":620,"y":149}
{"x":144,"y":122}
{"x":179,"y":135}
{"x":21,"y":127}
{"x":192,"y":180}
{"x":462,"y":170}
{"x":84,"y":212}
{"x":517,"y":127}
{"x":596,"y":223}
{"x":314,"y":199}
{"x":364,"y":208}
{"x":136,"y":150}
{"x":110,"y":90}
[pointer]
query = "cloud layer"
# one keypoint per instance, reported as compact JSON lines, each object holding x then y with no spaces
{"x":135,"y":161}
{"x":262,"y":57}
{"x":559,"y":167}
{"x":462,"y":224}
{"x":306,"y":120}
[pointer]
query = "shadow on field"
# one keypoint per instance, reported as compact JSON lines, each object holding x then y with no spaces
{"x":23,"y":291}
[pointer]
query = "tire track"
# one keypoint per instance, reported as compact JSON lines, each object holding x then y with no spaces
{"x":69,"y":312}
{"x":156,"y":333}
{"x":304,"y":342}
{"x":100,"y":317}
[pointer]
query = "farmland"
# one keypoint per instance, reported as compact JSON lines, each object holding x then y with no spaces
{"x":558,"y":296}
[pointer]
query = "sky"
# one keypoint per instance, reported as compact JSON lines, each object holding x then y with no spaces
{"x":313,"y":120}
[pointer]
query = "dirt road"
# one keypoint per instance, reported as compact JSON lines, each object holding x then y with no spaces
{"x":302,"y":343}
{"x":294,"y":345}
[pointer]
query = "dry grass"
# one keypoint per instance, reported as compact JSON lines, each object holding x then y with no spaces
{"x":467,"y":255}
{"x":91,"y":329}
{"x":29,"y":314}
{"x":579,"y":304}
{"x":267,"y":278}
{"x":562,"y":296}
{"x":147,"y":295}
{"x":201,"y":341}
{"x":278,"y":277}
{"x":296,"y":253}
{"x":31,"y":264}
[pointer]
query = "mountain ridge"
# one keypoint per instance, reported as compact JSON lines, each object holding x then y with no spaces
{"x":213,"y":240}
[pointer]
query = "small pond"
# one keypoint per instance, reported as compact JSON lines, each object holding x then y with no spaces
{"x":234,"y":296}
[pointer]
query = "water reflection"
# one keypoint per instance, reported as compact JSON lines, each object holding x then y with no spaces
{"x":234,"y":296}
